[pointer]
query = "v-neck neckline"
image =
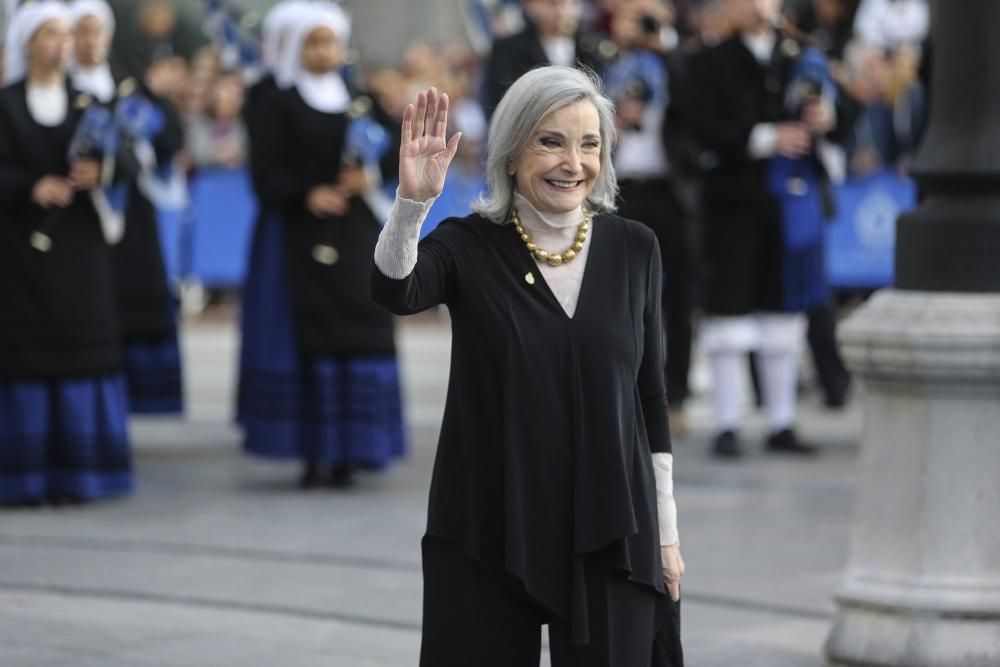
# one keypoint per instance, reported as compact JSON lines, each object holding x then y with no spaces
{"x":536,"y":270}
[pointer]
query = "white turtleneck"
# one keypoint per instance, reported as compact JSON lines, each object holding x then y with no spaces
{"x":556,"y":232}
{"x":396,"y":256}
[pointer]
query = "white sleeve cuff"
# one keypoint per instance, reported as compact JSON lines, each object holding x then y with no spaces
{"x":763,"y":141}
{"x":666,"y":507}
{"x":396,"y":250}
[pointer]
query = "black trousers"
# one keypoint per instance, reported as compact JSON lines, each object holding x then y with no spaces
{"x":474,"y":619}
{"x":834,"y":378}
{"x":654,"y":203}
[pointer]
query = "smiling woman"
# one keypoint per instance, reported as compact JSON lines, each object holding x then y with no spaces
{"x":551,"y":501}
{"x":561,"y":162}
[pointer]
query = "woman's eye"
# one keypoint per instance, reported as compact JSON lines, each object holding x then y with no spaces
{"x":549,"y":142}
{"x":591,"y":145}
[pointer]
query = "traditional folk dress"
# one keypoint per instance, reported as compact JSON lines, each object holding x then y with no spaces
{"x":318,"y":380}
{"x":63,"y":403}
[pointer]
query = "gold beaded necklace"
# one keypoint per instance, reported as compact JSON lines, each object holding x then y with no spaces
{"x":553,"y":259}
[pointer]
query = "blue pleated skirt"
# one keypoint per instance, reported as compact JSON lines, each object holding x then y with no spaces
{"x":153,"y":373}
{"x":64,"y":439}
{"x":325,"y":410}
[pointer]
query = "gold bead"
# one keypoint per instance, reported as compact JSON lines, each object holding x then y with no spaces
{"x":552,"y":259}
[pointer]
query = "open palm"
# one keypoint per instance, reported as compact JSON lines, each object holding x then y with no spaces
{"x":424,"y":155}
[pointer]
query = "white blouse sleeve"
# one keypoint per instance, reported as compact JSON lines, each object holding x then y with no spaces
{"x":663,"y":469}
{"x":396,"y":250}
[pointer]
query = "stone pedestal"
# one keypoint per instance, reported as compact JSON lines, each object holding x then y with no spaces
{"x":922,"y":587}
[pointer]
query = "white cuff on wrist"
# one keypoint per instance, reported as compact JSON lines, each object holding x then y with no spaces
{"x":666,"y":507}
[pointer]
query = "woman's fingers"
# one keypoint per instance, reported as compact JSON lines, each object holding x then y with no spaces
{"x":674,"y":588}
{"x":432,"y":110}
{"x":420,"y":116}
{"x":453,"y":145}
{"x":429,"y":117}
{"x":441,"y":124}
{"x":408,"y":113}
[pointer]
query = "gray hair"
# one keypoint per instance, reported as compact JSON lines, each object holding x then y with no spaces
{"x":524,"y":105}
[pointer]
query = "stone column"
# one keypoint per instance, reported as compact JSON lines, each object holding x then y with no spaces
{"x":922,"y":586}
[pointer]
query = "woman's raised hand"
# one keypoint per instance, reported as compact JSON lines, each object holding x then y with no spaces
{"x":424,"y":155}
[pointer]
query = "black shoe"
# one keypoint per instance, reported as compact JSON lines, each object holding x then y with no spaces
{"x":66,"y":500}
{"x":786,"y":442}
{"x":311,"y":475}
{"x":342,"y":476}
{"x":836,"y":399}
{"x":22,"y":504}
{"x":727,"y":446}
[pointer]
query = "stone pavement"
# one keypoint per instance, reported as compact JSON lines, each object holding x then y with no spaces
{"x":218,"y":560}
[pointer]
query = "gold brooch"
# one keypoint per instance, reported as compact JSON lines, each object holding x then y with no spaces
{"x":126,"y":87}
{"x":325,"y":254}
{"x":41,"y":241}
{"x":529,"y":278}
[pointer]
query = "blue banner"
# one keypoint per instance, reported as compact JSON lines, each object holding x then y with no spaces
{"x":223,"y":211}
{"x":861,"y":238}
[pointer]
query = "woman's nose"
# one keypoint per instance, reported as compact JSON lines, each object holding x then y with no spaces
{"x":571,"y":161}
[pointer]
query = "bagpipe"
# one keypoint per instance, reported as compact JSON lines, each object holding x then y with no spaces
{"x":230,"y":30}
{"x":365,"y":143}
{"x":797,"y":185}
{"x":104,"y":134}
{"x":639,"y":76}
{"x":482,"y":19}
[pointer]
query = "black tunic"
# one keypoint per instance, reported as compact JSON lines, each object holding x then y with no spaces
{"x":258,"y":109}
{"x":515,"y":55}
{"x":57,"y":312}
{"x":743,"y":238}
{"x":142,"y":291}
{"x":544,"y":454}
{"x":297,"y":149}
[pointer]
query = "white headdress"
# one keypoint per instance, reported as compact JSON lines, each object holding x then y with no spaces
{"x":275,"y":29}
{"x":80,"y":9}
{"x":309,"y":18}
{"x":22,"y":28}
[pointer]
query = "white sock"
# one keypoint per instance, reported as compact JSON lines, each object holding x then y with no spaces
{"x":726,"y":367}
{"x":779,"y":379}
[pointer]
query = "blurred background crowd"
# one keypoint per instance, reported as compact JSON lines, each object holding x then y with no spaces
{"x":203,"y":59}
{"x":877,"y":49}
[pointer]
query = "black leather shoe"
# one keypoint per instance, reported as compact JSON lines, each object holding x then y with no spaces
{"x":786,"y":442}
{"x":312,"y":475}
{"x":836,"y":399}
{"x":727,"y":446}
{"x":342,"y":476}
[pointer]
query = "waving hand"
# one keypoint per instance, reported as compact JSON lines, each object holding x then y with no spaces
{"x":424,"y":155}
